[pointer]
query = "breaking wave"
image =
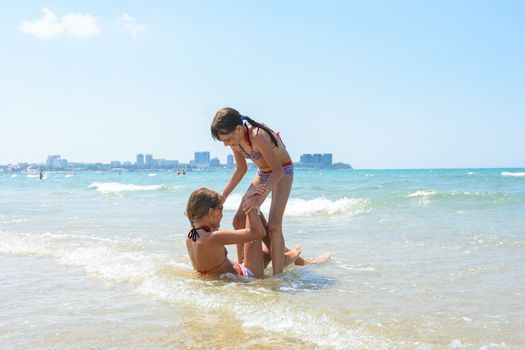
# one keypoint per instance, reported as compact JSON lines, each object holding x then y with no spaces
{"x":508,"y":173}
{"x":309,"y":207}
{"x":422,"y":194}
{"x":115,"y":187}
{"x":426,"y":194}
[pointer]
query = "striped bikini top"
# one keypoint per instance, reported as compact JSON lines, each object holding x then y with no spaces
{"x":253,"y":155}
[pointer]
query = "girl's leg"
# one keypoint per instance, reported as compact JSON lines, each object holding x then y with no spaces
{"x":280,"y":195}
{"x":253,"y":258}
{"x":239,"y":220}
{"x":290,"y":255}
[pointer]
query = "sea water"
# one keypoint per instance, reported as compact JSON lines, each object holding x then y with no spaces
{"x":421,"y":259}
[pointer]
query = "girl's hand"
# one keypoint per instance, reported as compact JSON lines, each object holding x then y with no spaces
{"x":259,"y":189}
{"x":252,"y":203}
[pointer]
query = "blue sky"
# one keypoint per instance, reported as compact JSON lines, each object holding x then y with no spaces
{"x":380,"y":84}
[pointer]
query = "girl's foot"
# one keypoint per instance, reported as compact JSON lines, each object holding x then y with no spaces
{"x":321,"y":259}
{"x":292,"y":255}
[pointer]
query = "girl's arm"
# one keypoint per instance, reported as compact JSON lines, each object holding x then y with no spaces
{"x":254,"y":231}
{"x":240,"y":253}
{"x":240,"y":170}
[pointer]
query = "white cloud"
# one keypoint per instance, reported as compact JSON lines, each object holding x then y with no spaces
{"x":126,"y":18}
{"x":128,"y":24}
{"x":78,"y":25}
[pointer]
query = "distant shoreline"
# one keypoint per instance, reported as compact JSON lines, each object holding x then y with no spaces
{"x":4,"y":170}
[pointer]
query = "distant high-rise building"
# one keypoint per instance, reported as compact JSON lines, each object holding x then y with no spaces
{"x":55,"y":162}
{"x":140,"y":160}
{"x":51,"y":160}
{"x":163,"y":163}
{"x":61,"y":163}
{"x":215,"y":163}
{"x":149,"y":160}
{"x":202,"y":158}
{"x":229,"y":161}
{"x":306,"y":159}
{"x":317,"y":160}
{"x":326,"y":160}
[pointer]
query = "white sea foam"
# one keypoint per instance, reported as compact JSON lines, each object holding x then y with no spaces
{"x":69,"y":175}
{"x":422,"y":194}
{"x":308,"y":207}
{"x":115,"y":187}
{"x":280,"y":316}
{"x":455,"y":344}
{"x":147,"y":271}
{"x":508,"y":173}
{"x":13,"y":221}
{"x":152,"y":174}
{"x":432,"y":193}
{"x":358,"y":268}
{"x":101,"y":259}
{"x":492,"y":346}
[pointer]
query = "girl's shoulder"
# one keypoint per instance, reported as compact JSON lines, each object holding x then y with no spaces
{"x":259,"y":134}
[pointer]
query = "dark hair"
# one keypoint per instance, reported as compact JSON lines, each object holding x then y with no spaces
{"x":200,"y":203}
{"x":226,"y":120}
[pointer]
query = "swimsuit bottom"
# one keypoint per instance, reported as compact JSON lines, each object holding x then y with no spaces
{"x":244,"y":271}
{"x":287,"y":168}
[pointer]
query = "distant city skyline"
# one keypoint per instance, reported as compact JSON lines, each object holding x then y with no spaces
{"x":384,"y":84}
{"x":202,"y":159}
{"x":142,"y":158}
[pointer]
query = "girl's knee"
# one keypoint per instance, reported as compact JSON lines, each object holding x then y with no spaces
{"x":274,"y":228}
{"x":239,"y":221}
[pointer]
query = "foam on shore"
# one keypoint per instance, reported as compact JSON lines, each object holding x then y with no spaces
{"x":155,"y":276}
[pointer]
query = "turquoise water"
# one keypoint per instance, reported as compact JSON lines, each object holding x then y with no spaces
{"x":422,"y":259}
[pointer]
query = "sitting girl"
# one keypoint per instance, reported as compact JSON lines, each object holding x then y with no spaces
{"x":206,"y":242}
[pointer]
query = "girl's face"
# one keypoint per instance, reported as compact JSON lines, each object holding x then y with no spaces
{"x":234,"y":137}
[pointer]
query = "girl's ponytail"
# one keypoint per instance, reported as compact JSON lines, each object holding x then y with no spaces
{"x":227,"y":119}
{"x":264,"y":127}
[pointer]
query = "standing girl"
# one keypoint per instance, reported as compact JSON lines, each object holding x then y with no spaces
{"x":251,"y":140}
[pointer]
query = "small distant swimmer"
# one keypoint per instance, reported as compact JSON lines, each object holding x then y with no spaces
{"x":183,"y":172}
{"x":41,"y":176}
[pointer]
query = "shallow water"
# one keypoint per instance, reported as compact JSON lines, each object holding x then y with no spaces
{"x":422,"y":259}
